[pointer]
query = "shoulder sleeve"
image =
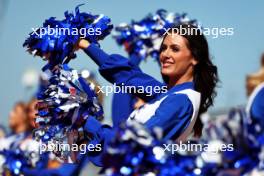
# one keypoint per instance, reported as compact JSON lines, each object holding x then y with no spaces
{"x":173,"y":115}
{"x":119,"y":70}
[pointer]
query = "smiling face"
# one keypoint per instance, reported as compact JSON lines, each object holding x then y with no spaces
{"x":176,"y":59}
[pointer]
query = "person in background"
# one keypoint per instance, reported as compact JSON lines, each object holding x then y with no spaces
{"x":254,"y":79}
{"x":18,"y":119}
{"x":19,"y":126}
{"x":255,"y":91}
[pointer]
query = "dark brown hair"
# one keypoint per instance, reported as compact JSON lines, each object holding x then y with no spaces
{"x":205,"y":72}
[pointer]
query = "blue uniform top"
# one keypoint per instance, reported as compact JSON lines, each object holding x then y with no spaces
{"x":174,"y":112}
{"x":257,"y":107}
{"x":122,"y":106}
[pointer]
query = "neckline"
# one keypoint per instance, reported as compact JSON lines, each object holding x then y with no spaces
{"x":178,"y":87}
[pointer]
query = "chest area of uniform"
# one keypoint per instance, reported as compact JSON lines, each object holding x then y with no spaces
{"x":145,"y":112}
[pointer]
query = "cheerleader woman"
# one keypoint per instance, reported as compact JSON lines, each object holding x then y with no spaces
{"x":188,"y":73}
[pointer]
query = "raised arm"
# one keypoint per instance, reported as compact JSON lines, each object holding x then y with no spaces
{"x":119,"y":70}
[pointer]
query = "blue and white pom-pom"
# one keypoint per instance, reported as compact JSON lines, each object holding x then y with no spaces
{"x":65,"y":99}
{"x":144,"y":37}
{"x":15,"y":160}
{"x":138,"y":151}
{"x":56,"y":39}
{"x":247,"y":139}
{"x":65,"y":102}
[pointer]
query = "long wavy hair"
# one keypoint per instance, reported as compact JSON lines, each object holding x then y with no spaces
{"x":205,"y":76}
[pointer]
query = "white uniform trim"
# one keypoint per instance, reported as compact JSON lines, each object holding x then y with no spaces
{"x":252,"y":97}
{"x":144,"y":113}
{"x":195,"y":98}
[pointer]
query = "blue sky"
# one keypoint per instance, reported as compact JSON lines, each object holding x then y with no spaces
{"x":235,"y":55}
